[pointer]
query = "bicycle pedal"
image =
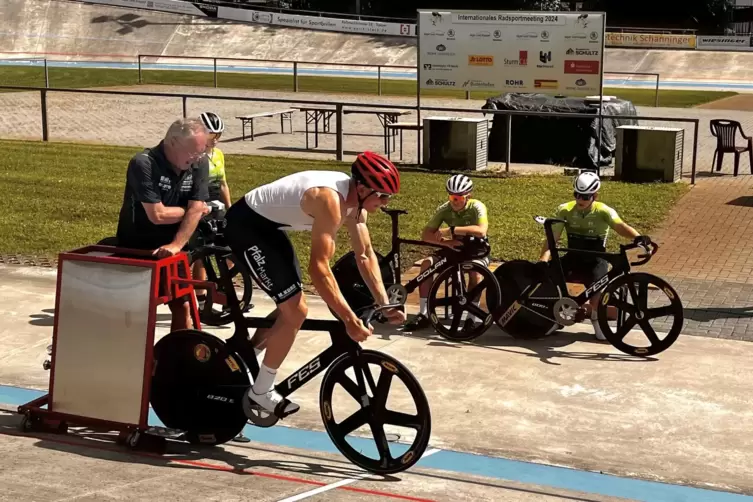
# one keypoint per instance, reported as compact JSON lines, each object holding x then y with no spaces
{"x":280,"y":409}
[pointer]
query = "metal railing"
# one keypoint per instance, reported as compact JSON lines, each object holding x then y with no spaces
{"x":295,"y":65}
{"x":664,"y":31}
{"x":339,"y":107}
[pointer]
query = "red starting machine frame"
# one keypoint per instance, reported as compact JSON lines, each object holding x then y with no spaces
{"x":103,"y":337}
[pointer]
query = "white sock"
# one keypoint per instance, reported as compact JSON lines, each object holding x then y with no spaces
{"x":265,"y":381}
{"x":423,"y":306}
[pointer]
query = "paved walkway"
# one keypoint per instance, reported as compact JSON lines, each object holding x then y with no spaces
{"x":707,"y":255}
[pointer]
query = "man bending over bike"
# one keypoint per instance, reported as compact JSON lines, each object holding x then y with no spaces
{"x":319,"y":202}
{"x":463,"y":216}
{"x":588,"y":224}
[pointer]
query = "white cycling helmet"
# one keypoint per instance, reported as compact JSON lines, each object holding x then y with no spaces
{"x":212,"y":122}
{"x":587,"y":183}
{"x":459,"y":184}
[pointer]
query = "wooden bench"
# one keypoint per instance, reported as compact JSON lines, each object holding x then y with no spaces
{"x":286,"y":114}
{"x":400,"y":127}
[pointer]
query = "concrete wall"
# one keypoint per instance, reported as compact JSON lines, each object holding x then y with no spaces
{"x":72,"y":30}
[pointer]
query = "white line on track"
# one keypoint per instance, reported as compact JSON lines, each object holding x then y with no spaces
{"x":340,"y":483}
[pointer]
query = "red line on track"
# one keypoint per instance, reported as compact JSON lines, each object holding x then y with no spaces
{"x":207,"y":465}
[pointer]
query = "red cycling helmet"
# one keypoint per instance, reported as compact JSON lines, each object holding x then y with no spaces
{"x":376,"y":172}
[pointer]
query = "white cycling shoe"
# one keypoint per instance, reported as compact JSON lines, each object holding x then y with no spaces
{"x":272,"y":402}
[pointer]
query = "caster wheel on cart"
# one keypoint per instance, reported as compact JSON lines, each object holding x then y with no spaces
{"x":133,"y":439}
{"x":27,"y":424}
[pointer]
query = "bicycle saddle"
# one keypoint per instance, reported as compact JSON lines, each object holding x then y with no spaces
{"x":394,"y":211}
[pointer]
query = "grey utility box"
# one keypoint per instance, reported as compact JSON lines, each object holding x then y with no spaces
{"x":456,"y":143}
{"x":649,"y":153}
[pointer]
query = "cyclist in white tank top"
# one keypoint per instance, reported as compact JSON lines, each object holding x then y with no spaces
{"x":280,"y":201}
{"x":319,"y":202}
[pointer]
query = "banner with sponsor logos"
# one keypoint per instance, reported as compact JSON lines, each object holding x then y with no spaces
{"x":724,"y":43}
{"x":174,"y":6}
{"x":650,"y":40}
{"x":551,"y":53}
{"x":317,"y":23}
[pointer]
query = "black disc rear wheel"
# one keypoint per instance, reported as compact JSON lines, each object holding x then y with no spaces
{"x":531,"y":320}
{"x":197,"y":387}
{"x":351,"y":398}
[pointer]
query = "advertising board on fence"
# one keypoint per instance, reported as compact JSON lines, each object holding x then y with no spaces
{"x":724,"y":43}
{"x":175,"y":6}
{"x":317,"y":23}
{"x":650,"y":40}
{"x":552,"y":53}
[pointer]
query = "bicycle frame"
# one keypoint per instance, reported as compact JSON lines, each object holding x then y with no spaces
{"x":394,"y":253}
{"x":619,"y":261}
{"x":240,"y":342}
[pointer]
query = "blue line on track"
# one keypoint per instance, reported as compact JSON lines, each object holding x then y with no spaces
{"x":333,"y":72}
{"x":467,"y":463}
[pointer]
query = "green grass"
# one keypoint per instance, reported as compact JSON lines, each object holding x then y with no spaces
{"x":102,"y":77}
{"x":59,"y":196}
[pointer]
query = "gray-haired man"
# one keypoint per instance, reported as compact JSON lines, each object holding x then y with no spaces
{"x":165,"y":193}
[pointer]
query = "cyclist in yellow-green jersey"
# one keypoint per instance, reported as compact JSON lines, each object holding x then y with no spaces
{"x":587,"y":225}
{"x":463,"y":215}
{"x":218,"y":189}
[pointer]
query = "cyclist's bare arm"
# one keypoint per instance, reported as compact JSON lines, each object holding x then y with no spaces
{"x":196,"y":209}
{"x":474,"y":230}
{"x":368,"y":264}
{"x":626,"y":230}
{"x":324,"y":206}
{"x":225,"y":195}
{"x":430,"y":234}
{"x":159,"y":214}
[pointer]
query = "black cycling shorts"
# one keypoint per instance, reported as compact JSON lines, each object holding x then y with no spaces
{"x":584,"y":268}
{"x":266,"y":250}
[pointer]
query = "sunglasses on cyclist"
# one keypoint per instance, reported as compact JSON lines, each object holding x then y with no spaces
{"x":582,"y":196}
{"x":457,"y":198}
{"x":382,"y":195}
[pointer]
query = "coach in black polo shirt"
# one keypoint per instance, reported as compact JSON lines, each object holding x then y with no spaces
{"x":165,"y":194}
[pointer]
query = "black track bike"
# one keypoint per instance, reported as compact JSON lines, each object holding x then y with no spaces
{"x":535,"y":300}
{"x":199,"y":382}
{"x":450,"y":295}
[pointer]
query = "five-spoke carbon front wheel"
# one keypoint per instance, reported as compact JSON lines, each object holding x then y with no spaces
{"x":639,"y":301}
{"x":360,"y":396}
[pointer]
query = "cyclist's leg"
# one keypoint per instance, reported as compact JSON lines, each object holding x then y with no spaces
{"x":600,"y":269}
{"x":474,"y":278}
{"x":592,"y":270}
{"x":269,"y":255}
{"x":422,"y":319}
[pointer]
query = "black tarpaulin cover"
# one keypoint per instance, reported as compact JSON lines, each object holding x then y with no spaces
{"x":556,"y":140}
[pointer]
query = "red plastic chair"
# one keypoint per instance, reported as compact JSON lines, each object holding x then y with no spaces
{"x":724,"y":131}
